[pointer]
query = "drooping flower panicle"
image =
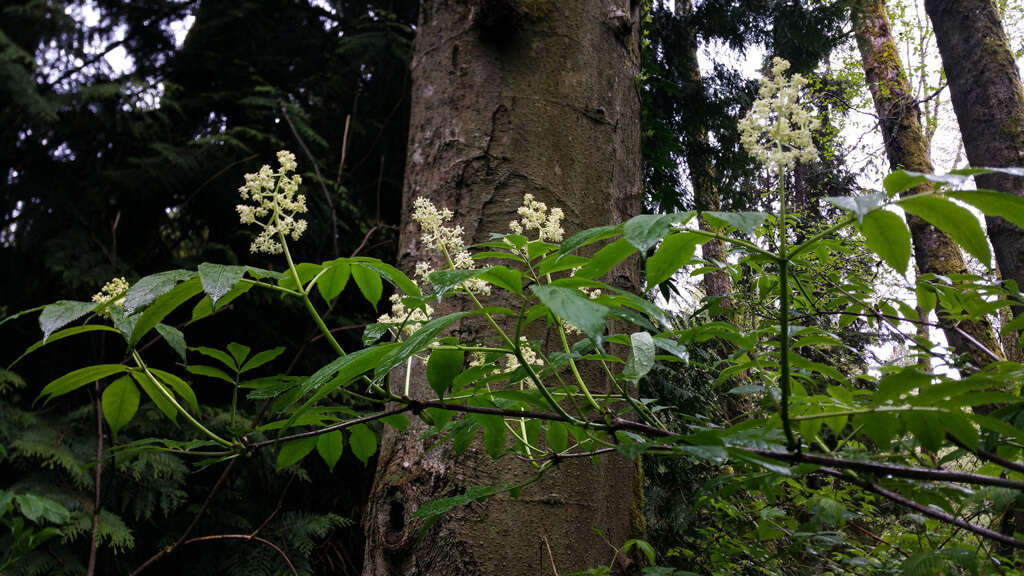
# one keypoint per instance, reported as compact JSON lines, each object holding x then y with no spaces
{"x":274,"y":204}
{"x":777,"y":130}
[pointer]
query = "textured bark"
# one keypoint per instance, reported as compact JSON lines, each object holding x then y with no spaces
{"x":513,"y":97}
{"x":717,"y":284}
{"x":906,"y":147}
{"x":988,"y":99}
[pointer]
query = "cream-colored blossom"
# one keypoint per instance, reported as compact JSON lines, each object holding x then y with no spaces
{"x":400,"y":314}
{"x":113,"y":293}
{"x":274,"y":203}
{"x":777,"y":130}
{"x":529,"y":355}
{"x":535,"y":216}
{"x":447,"y":240}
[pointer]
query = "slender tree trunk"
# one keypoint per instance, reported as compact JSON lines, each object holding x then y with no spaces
{"x":512,"y":97}
{"x":988,"y":99}
{"x":906,"y":146}
{"x":717,"y":284}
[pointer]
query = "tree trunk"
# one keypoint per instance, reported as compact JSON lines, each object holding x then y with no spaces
{"x":906,"y":146}
{"x":988,"y":99}
{"x":511,"y":97}
{"x":717,"y":284}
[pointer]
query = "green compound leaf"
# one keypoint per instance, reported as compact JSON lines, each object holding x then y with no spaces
{"x":218,"y":280}
{"x":61,"y":313}
{"x":887,"y":235}
{"x":261,"y":358}
{"x":676,"y":250}
{"x":334,"y":279}
{"x":294,"y":451}
{"x":494,"y":433}
{"x":120,"y":401}
{"x":363,"y":442}
{"x":163,"y":306}
{"x":61,"y":334}
{"x":571,"y":306}
{"x":558,"y":436}
{"x":78,"y":378}
{"x":444,"y":281}
{"x":330,"y":447}
{"x":180,"y":387}
{"x":369,"y":283}
{"x":860,"y":206}
{"x":239,"y":352}
{"x":504,"y":277}
{"x":957,"y":222}
{"x":158,"y":394}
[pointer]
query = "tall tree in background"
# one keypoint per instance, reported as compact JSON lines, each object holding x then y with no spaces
{"x":988,"y":99}
{"x":906,"y":146}
{"x":513,"y":98}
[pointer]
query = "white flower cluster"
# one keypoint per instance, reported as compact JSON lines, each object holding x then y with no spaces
{"x":413,"y":319}
{"x":777,"y":130}
{"x":536,"y":217}
{"x":529,"y":355}
{"x":116,"y":288}
{"x":445,"y":239}
{"x":274,"y":204}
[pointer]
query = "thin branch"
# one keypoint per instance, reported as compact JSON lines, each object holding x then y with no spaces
{"x":926,"y":510}
{"x":986,"y":455}
{"x":249,"y":537}
{"x":891,"y":469}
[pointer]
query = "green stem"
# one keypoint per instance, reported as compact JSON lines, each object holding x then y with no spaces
{"x":174,"y":402}
{"x":271,"y":287}
{"x":306,"y":301}
{"x":784,"y":384}
{"x":854,"y":412}
{"x":737,"y":241}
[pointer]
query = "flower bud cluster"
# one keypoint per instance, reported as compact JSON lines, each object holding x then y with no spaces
{"x":535,"y":216}
{"x":777,"y":130}
{"x":446,"y":240}
{"x":116,"y":288}
{"x":274,"y":204}
{"x":400,"y":314}
{"x":529,"y":355}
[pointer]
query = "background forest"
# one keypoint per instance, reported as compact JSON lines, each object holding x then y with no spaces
{"x":127,"y":127}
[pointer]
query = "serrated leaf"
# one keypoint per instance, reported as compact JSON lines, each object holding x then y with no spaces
{"x":78,"y":378}
{"x":218,"y":355}
{"x":887,"y":235}
{"x":335,"y":279}
{"x":162,"y":306}
{"x":393,"y":275}
{"x":369,"y":283}
{"x":504,"y":277}
{"x":571,"y":306}
{"x":646,"y":230}
{"x":881,"y":427}
{"x":218,"y":280}
{"x":676,"y":250}
{"x":927,"y":427}
{"x":558,"y":436}
{"x":606,"y":258}
{"x":957,"y":222}
{"x":261,"y":358}
{"x":341,"y":372}
{"x":61,"y":334}
{"x":330,"y":447}
{"x":363,"y":442}
{"x":120,"y":401}
{"x":149,"y":288}
{"x":205,"y":306}
{"x":180,"y":387}
{"x":1007,"y":206}
{"x":442,"y":368}
{"x":416,"y":343}
{"x":61,"y":313}
{"x":895,"y":384}
{"x":745,"y":222}
{"x":641,"y":356}
{"x":444,"y":281}
{"x":294,"y":451}
{"x":239,"y":352}
{"x":494,"y":433}
{"x":158,"y":394}
{"x":860,"y":206}
{"x":209,"y":371}
{"x":588,"y":236}
{"x":174,"y":338}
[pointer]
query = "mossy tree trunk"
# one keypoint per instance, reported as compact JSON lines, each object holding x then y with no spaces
{"x":988,"y":99}
{"x":511,"y":97}
{"x":717,"y":284}
{"x":906,"y":146}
